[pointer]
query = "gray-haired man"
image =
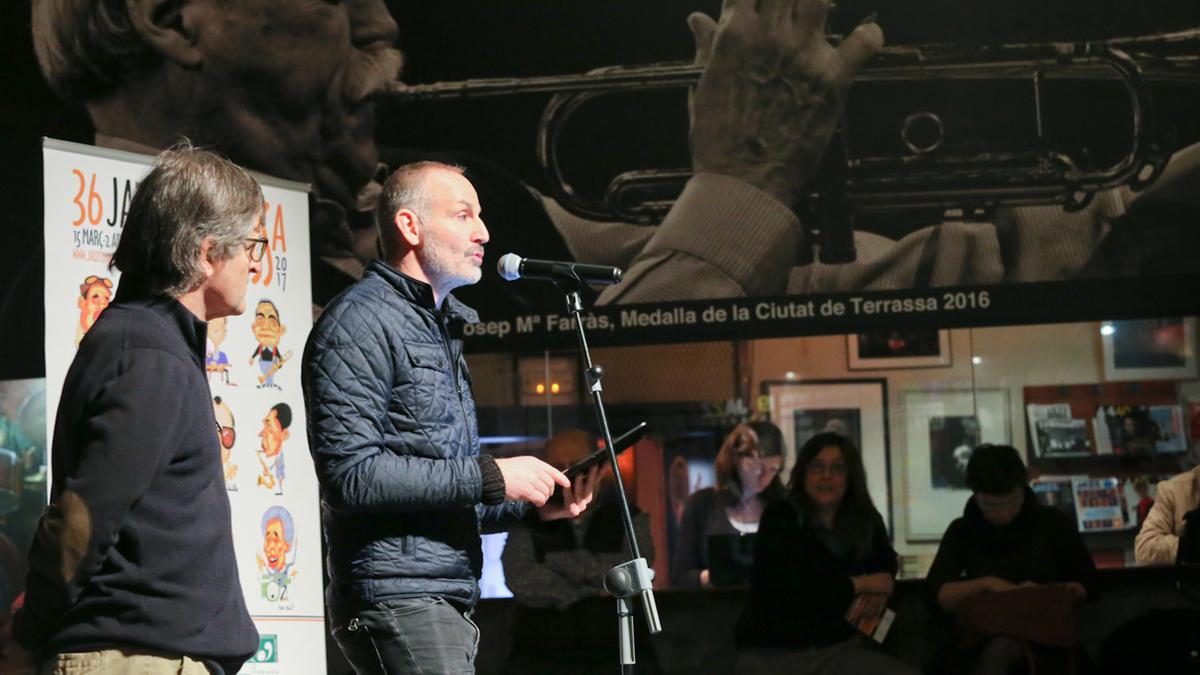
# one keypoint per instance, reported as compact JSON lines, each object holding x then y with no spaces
{"x":132,"y":568}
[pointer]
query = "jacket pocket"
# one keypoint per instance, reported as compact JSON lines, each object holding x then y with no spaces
{"x":426,"y":356}
{"x":422,"y":388}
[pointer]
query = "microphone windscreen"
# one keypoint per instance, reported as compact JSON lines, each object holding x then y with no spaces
{"x":509,"y":266}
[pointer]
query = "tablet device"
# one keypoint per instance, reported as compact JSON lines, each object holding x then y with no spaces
{"x":621,"y":443}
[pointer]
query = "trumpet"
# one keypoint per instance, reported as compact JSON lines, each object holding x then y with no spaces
{"x":934,"y":169}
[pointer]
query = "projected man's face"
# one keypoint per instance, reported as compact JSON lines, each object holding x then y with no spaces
{"x":285,"y":86}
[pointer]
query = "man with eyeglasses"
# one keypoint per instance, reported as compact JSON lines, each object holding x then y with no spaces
{"x":132,"y":568}
{"x":1005,"y":540}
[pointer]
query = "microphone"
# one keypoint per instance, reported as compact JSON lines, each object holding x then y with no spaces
{"x":512,"y":267}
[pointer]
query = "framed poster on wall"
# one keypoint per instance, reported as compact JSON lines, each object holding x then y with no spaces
{"x":941,"y":430}
{"x":1149,"y":349}
{"x":898,"y":348}
{"x":854,"y":408}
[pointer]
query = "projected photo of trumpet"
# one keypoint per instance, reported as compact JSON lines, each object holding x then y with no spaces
{"x":779,"y":151}
{"x":920,"y":133}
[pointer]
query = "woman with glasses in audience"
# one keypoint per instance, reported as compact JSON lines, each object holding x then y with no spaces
{"x":747,"y":468}
{"x":822,"y":567}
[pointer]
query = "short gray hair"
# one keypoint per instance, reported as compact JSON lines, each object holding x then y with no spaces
{"x":405,"y":188}
{"x":189,"y":197}
{"x":87,"y":48}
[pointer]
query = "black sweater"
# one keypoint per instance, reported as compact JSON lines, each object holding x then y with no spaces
{"x":800,"y":589}
{"x":1040,"y":545}
{"x":135,"y":551}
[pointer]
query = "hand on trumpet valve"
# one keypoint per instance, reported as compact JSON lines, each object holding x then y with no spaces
{"x":772,"y":91}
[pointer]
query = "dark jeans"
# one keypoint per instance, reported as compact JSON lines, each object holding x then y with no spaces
{"x":410,"y":635}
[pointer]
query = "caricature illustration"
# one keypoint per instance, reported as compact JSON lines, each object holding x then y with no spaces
{"x":268,"y":331}
{"x":216,"y":362}
{"x":270,"y":452}
{"x":226,"y":435}
{"x":278,"y":554}
{"x":94,"y":295}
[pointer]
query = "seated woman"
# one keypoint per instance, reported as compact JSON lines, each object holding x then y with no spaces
{"x":748,"y":465}
{"x":1004,"y":540}
{"x":817,"y":551}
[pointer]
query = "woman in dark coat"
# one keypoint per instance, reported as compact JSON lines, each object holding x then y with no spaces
{"x":822,"y":559}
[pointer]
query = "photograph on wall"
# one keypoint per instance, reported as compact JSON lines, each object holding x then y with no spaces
{"x":898,"y":348}
{"x":854,"y":408}
{"x":955,"y":415}
{"x":1149,"y":349}
{"x":952,"y":440}
{"x":844,"y":421}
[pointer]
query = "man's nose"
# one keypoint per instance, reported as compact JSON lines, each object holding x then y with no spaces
{"x":481,"y":233}
{"x":255,"y":266}
{"x":371,"y":23}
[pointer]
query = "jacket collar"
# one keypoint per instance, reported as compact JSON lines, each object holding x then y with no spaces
{"x":421,"y":294}
{"x":192,"y":330}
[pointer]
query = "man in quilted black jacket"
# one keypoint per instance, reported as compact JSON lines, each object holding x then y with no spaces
{"x":392,"y":428}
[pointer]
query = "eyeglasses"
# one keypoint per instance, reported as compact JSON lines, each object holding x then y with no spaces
{"x":834,"y":469}
{"x":256,"y":248}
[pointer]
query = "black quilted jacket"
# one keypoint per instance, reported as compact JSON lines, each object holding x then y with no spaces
{"x":393,"y":434}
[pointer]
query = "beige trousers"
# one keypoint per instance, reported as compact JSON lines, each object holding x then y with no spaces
{"x":118,"y":662}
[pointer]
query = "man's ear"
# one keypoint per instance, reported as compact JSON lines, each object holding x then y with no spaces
{"x":169,"y":26}
{"x":408,"y":226}
{"x":206,"y":263}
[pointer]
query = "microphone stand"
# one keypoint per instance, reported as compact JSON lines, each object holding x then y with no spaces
{"x":630,"y":579}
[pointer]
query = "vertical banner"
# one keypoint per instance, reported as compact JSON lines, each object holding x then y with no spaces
{"x":253,"y":368}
